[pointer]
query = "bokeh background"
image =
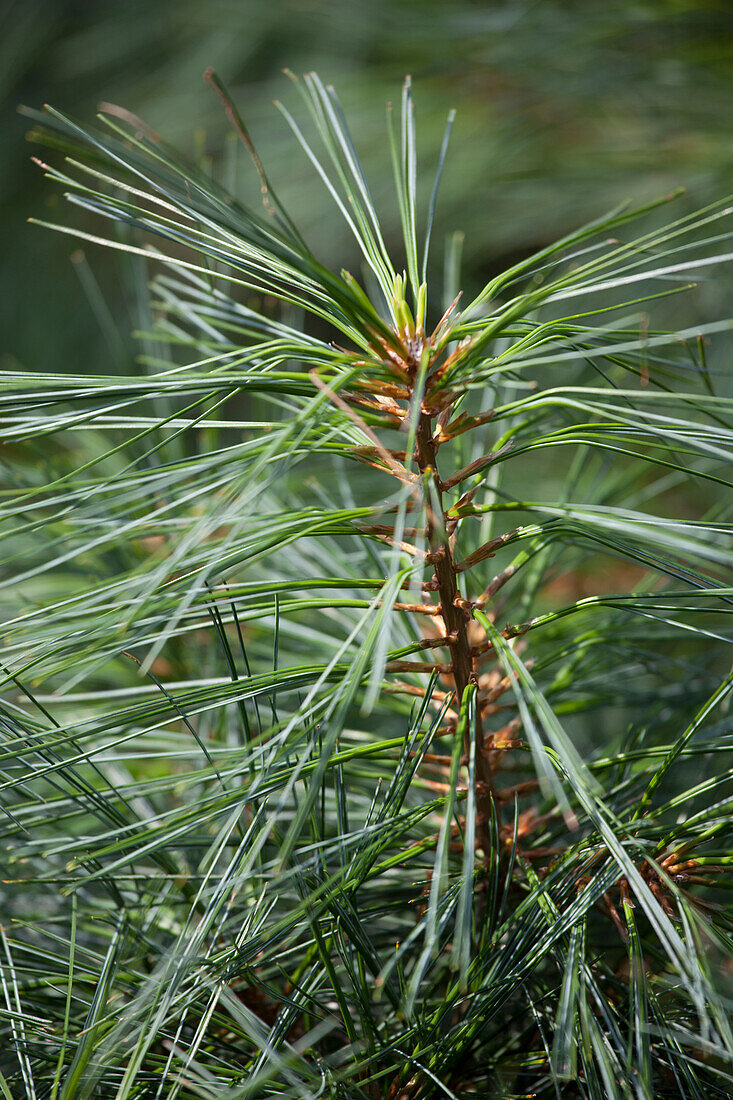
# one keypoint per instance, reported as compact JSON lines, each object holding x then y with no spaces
{"x":565,"y":107}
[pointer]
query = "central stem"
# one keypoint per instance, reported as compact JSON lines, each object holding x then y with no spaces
{"x":455,"y":618}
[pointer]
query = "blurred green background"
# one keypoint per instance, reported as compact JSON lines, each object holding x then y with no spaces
{"x":564,"y":108}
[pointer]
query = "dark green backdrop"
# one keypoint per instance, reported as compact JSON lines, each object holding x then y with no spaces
{"x":563,"y":108}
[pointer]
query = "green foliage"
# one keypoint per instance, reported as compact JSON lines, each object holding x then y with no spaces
{"x":330,"y":767}
{"x":564,"y":109}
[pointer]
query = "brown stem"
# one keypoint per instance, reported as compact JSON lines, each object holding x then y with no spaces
{"x":455,"y":618}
